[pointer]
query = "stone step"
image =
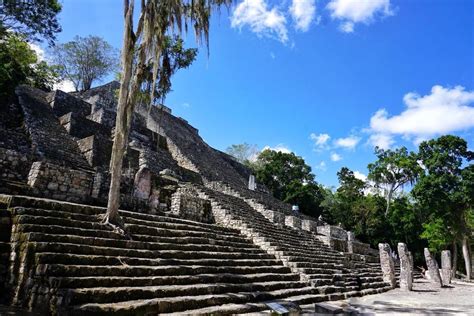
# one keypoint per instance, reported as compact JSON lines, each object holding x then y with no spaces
{"x":110,"y":295}
{"x":324,"y":251}
{"x":155,"y":221}
{"x":90,"y":260}
{"x":307,"y":298}
{"x":131,"y":228}
{"x":151,"y":254}
{"x":58,"y":270}
{"x":117,"y":243}
{"x":69,"y":207}
{"x":97,"y":281}
{"x":306,"y":261}
{"x":62,"y":230}
{"x":315,"y":271}
{"x":225,"y":309}
{"x":373,"y":285}
{"x":183,"y":303}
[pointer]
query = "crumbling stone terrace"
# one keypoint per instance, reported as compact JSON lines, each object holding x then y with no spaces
{"x":200,"y":240}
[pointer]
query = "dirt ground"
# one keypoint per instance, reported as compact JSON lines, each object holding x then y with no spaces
{"x":425,"y":299}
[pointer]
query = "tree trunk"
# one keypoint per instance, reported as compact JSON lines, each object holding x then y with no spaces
{"x":466,"y":255}
{"x":389,"y":198}
{"x":123,"y":119}
{"x":455,"y":258}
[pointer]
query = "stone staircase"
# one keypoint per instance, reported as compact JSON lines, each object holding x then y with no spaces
{"x":328,"y":271}
{"x":66,"y":262}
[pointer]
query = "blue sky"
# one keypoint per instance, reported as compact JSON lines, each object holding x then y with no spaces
{"x":325,"y":79}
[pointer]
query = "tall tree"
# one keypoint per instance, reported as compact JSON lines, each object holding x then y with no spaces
{"x":156,"y":20}
{"x":443,"y":192}
{"x":392,"y":170}
{"x":85,"y":60}
{"x":290,"y":179}
{"x":243,"y":153}
{"x":19,"y":64}
{"x":30,"y":18}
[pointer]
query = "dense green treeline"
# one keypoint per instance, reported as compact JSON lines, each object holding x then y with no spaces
{"x":423,"y":198}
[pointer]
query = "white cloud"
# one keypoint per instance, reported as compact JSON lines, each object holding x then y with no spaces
{"x":279,"y":148}
{"x":303,"y":12}
{"x":320,"y":141}
{"x":359,"y":175}
{"x":381,"y":140}
{"x":272,"y":55}
{"x":444,"y":110}
{"x":347,"y":142}
{"x":347,"y":27}
{"x":65,"y":85}
{"x":186,"y":105}
{"x":261,"y":20}
{"x":321,"y":166}
{"x":351,"y":12}
{"x":335,"y":157}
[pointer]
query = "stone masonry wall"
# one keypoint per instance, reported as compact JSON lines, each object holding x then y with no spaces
{"x":186,"y":204}
{"x":14,"y":166}
{"x":57,"y":182}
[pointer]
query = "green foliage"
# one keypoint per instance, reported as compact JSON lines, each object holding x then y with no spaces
{"x":173,"y":57}
{"x":30,"y":18}
{"x":19,"y":65}
{"x":290,"y":179}
{"x":243,"y":153}
{"x":436,"y":234}
{"x":392,"y":170}
{"x":85,"y":60}
{"x":444,"y":191}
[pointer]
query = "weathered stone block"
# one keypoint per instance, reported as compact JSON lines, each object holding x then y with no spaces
{"x":293,"y":221}
{"x":446,"y":267}
{"x":406,"y":273}
{"x":142,"y":184}
{"x":433,"y":268}
{"x":387,"y":265}
{"x":309,"y":225}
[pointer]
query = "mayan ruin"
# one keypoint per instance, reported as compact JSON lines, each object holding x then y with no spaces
{"x":114,"y":202}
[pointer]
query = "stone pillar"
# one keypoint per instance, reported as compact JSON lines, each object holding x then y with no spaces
{"x":406,"y":274}
{"x":293,"y":221}
{"x":309,"y":225}
{"x":386,"y":262}
{"x":142,"y":184}
{"x":412,"y":264}
{"x":433,"y":268}
{"x":252,"y":183}
{"x":350,"y":240}
{"x":446,"y":268}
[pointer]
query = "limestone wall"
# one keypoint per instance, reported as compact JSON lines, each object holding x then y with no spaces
{"x":186,"y":204}
{"x":58,"y":182}
{"x":14,"y":166}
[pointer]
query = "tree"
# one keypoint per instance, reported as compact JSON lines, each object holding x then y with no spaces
{"x":290,"y":179}
{"x":349,"y":200}
{"x":174,"y":57}
{"x":30,"y":18}
{"x":85,"y":60}
{"x":392,"y":170}
{"x":243,"y":153}
{"x":156,"y":20}
{"x":19,"y":65}
{"x":444,"y":193}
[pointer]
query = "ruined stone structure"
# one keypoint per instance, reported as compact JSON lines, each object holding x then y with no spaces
{"x":387,"y":264}
{"x":433,"y":268}
{"x":446,"y":267}
{"x":406,"y":267}
{"x":200,"y":240}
